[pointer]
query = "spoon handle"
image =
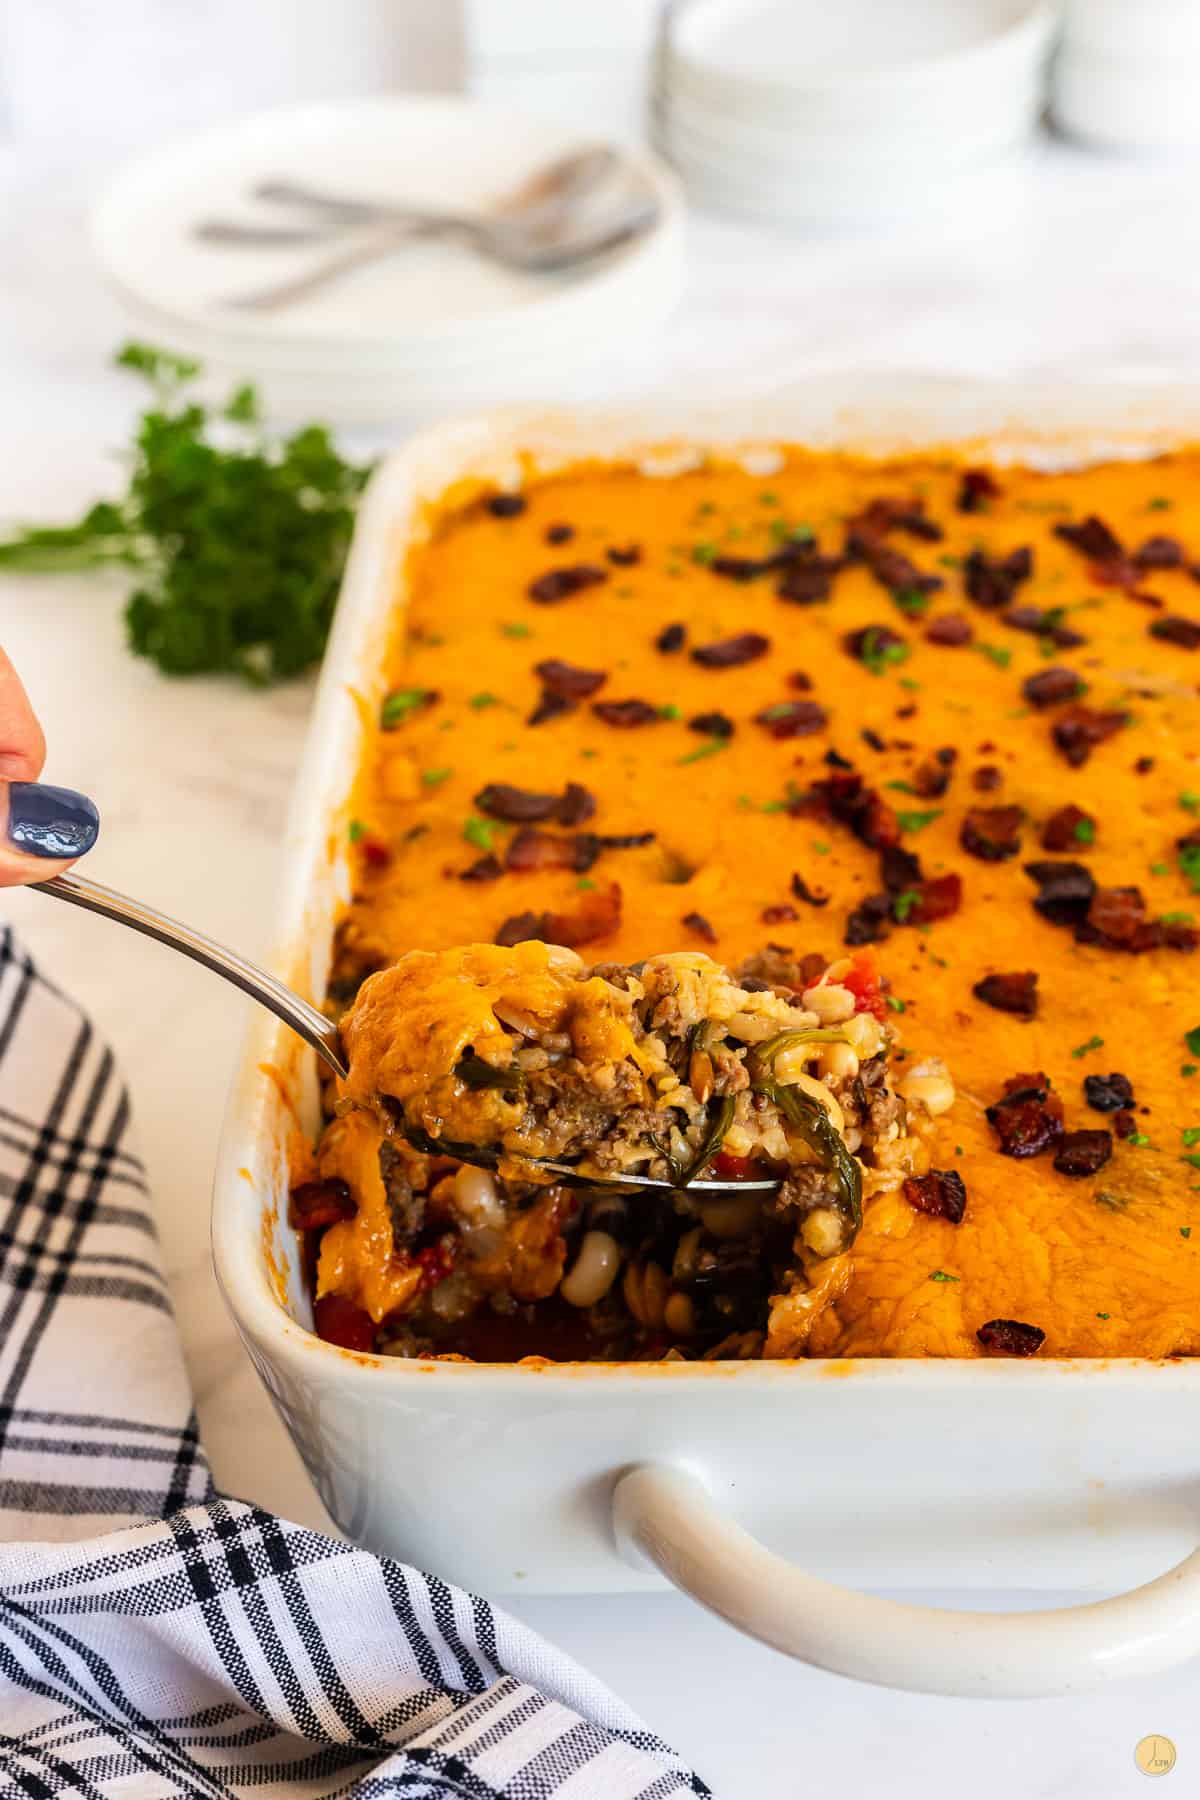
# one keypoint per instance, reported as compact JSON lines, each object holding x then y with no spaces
{"x":304,"y":1019}
{"x":343,"y":262}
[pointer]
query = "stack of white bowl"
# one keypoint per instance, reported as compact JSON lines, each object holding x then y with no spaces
{"x":433,"y":327}
{"x":813,"y":110}
{"x":1128,"y":74}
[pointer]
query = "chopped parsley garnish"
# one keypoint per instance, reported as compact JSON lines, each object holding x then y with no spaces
{"x":906,"y":681}
{"x":894,"y":1004}
{"x":517,"y":630}
{"x":903,"y":904}
{"x":901,"y":787}
{"x":995,"y":653}
{"x":1192,"y":1040}
{"x":879,"y":656}
{"x":1189,"y":801}
{"x":1138,"y":1138}
{"x":911,"y":601}
{"x":941,"y":1275}
{"x":1188,"y":1069}
{"x":917,"y":821}
{"x":1192,"y":1159}
{"x":708,"y":749}
{"x":1085,"y":831}
{"x":1160,"y":868}
{"x":1190,"y":1134}
{"x":768,"y":499}
{"x":791,"y":534}
{"x":479,"y":701}
{"x":357,"y":831}
{"x":670,"y":711}
{"x":1189,"y":866}
{"x":1178,"y":918}
{"x":704,"y":553}
{"x":234,"y":538}
{"x":820,"y":849}
{"x":1185,"y":1231}
{"x":399,"y":703}
{"x":1093,"y":1043}
{"x":1160,"y":503}
{"x":1103,"y":1315}
{"x":435,"y":777}
{"x":480,"y":832}
{"x":584,"y":883}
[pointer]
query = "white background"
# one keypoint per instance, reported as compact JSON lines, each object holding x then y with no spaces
{"x":1082,"y":267}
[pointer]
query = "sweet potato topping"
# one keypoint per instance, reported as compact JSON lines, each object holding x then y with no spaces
{"x":1097,"y":1262}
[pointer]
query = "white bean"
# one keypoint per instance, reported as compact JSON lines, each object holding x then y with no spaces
{"x":830,"y":1002}
{"x":929,"y":1084}
{"x":475,"y":1199}
{"x":731,"y":1215}
{"x":593,"y":1271}
{"x":838,"y":1061}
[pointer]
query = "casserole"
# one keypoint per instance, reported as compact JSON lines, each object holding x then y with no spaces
{"x":870,"y":1472}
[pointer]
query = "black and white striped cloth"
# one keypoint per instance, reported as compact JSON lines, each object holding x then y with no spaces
{"x":158,"y":1640}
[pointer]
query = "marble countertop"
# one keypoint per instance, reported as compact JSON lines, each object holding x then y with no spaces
{"x":1079,"y":267}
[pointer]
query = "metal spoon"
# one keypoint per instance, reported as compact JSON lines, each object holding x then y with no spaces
{"x":318,"y":1031}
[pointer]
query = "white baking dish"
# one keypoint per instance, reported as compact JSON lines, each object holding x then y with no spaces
{"x":874,"y":1473}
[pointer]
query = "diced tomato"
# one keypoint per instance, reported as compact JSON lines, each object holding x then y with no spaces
{"x":862,"y":979}
{"x":730,"y":1167}
{"x":340,"y":1322}
{"x":375,"y":854}
{"x":435,"y":1261}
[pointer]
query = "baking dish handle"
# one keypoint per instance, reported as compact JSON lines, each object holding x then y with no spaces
{"x":665,"y":1516}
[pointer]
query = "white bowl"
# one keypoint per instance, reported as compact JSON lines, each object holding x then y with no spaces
{"x":1127,"y":106}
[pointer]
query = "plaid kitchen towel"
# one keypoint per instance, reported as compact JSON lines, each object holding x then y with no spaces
{"x":208,"y":1648}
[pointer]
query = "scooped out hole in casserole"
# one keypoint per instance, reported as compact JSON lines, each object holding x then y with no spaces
{"x":472,"y":1069}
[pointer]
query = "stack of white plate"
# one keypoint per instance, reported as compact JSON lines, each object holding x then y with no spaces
{"x":811,"y":110}
{"x":1128,"y":74}
{"x":430,"y":328}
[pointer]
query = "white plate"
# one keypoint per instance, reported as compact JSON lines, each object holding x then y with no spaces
{"x":438,"y":151}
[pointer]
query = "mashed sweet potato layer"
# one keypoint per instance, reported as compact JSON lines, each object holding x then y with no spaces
{"x":850,"y":703}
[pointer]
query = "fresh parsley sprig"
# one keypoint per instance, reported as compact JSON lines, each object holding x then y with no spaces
{"x":237,"y":538}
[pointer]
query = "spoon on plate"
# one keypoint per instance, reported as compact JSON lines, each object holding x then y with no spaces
{"x":302,"y":1017}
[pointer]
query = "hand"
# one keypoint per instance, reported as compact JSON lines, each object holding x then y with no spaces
{"x":42,"y":829}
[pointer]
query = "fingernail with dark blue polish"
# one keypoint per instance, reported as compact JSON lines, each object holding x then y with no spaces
{"x":50,"y":821}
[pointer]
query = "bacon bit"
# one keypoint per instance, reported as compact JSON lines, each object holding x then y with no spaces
{"x":1083,"y":1152}
{"x":987,"y":778}
{"x":1108,"y":1093}
{"x":1065,"y":891}
{"x":435,"y":1262}
{"x":1016,"y":993}
{"x":1092,"y":539}
{"x":848,"y":800}
{"x":992,"y":833}
{"x":896,"y":572}
{"x":1077,"y":731}
{"x":568,"y":680}
{"x":749,"y":568}
{"x":870,"y":922}
{"x":836,"y":761}
{"x":626,"y":840}
{"x":1117,"y":918}
{"x":520,"y":927}
{"x":886,"y":514}
{"x":1052,"y":687}
{"x":550,"y":706}
{"x":1047,"y":625}
{"x":560,"y":584}
{"x":863,"y":981}
{"x":872,"y":740}
{"x":1009,"y":1337}
{"x":506,"y":506}
{"x":1143,"y":765}
{"x":950,"y":629}
{"x":792,"y":718}
{"x":484,"y":868}
{"x":900,"y":868}
{"x":938,"y":897}
{"x":731,"y":653}
{"x":1029,"y":1116}
{"x":977,"y":487}
{"x":800,"y":681}
{"x":712,"y":724}
{"x":808,"y":582}
{"x":931,"y":779}
{"x":1174,"y":629}
{"x":625,"y":715}
{"x":533,"y":849}
{"x":1125,"y":1124}
{"x":559,"y":534}
{"x":1159,"y":552}
{"x":941,"y":1194}
{"x":990,"y":583}
{"x":802,"y":891}
{"x":338,"y":1321}
{"x":696,"y":921}
{"x":778,"y":915}
{"x":375,"y":854}
{"x":624,"y":556}
{"x":1068,"y":827}
{"x":314,"y":1204}
{"x":517,"y":806}
{"x":670,"y":639}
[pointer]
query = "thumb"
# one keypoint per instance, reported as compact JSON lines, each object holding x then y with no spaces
{"x":42,"y":828}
